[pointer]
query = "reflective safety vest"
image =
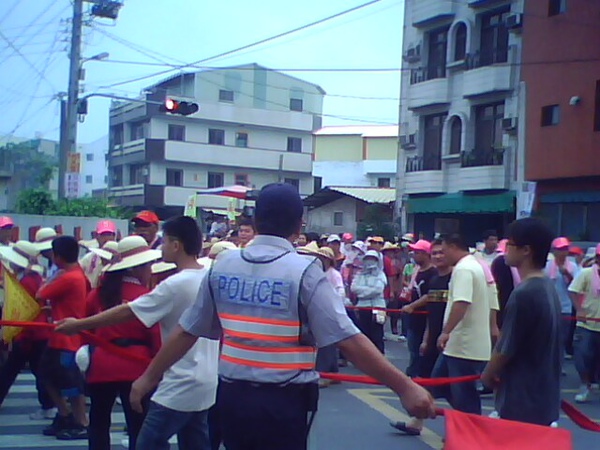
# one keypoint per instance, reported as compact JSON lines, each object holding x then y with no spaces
{"x":263,"y":321}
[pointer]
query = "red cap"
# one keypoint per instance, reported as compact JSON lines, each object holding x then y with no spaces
{"x":106,"y":226}
{"x":561,"y":243}
{"x":576,"y":251}
{"x":421,"y":246}
{"x":6,"y":222}
{"x":147,"y":216}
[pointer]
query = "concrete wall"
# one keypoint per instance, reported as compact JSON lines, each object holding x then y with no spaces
{"x":88,"y":224}
{"x":381,"y":148}
{"x":320,"y":220}
{"x":339,"y":148}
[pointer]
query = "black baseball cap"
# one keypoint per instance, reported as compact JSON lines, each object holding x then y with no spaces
{"x":279,"y":202}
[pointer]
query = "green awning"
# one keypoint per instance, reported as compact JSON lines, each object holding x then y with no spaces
{"x":462,"y":203}
{"x":571,"y":197}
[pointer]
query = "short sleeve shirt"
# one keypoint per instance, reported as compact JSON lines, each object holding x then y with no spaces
{"x":582,"y":284}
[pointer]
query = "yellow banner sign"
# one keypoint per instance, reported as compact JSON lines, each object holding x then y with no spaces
{"x":18,"y":305}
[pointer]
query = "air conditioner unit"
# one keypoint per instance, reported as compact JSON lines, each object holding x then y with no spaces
{"x":514,"y":22}
{"x":408,"y":142}
{"x":413,"y":54}
{"x":509,"y":124}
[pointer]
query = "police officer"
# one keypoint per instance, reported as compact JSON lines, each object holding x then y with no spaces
{"x":273,"y":306}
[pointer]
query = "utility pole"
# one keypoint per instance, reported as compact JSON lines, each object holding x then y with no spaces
{"x":69,"y":137}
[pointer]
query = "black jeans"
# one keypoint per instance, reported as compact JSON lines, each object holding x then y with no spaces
{"x":414,"y":337}
{"x":23,"y":353}
{"x":371,"y":329}
{"x":265,"y":417}
{"x":103,"y":396}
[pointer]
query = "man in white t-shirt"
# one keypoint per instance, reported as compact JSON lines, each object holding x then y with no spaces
{"x":188,"y":389}
{"x":465,"y":340}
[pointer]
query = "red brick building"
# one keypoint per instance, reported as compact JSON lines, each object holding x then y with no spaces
{"x":561,"y":72}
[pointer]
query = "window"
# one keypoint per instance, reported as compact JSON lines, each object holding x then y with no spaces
{"x":455,"y":135}
{"x":460,"y":42}
{"x":383,"y":182}
{"x":550,"y":115}
{"x":241,"y":139}
{"x":89,"y":179}
{"x":105,"y":179}
{"x":117,"y":176}
{"x":216,"y":137}
{"x":89,"y":157}
{"x":138,"y":131}
{"x":433,"y":126}
{"x":488,"y":126}
{"x":294,"y":144}
{"x":494,"y":38}
{"x":556,"y":7}
{"x":293,"y":181}
{"x":225,"y":95}
{"x":317,"y":184}
{"x":296,"y":104}
{"x":174,"y":177}
{"x":338,"y":219}
{"x":597,"y":108}
{"x":215,"y":179}
{"x":117,"y":134}
{"x":137,"y":173}
{"x":241,"y":179}
{"x":176,"y":132}
{"x":436,"y":61}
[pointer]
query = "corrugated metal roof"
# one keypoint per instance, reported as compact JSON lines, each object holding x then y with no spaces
{"x":360,"y":130}
{"x":367,"y":194}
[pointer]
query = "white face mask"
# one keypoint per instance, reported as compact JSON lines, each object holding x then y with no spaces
{"x":370,"y":265}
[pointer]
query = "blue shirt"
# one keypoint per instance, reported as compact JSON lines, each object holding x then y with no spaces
{"x":562,"y":289}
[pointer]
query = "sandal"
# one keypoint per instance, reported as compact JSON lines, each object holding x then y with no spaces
{"x":402,"y":426}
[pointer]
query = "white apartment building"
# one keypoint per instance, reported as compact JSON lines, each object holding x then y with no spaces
{"x":94,"y":167}
{"x":356,"y":156}
{"x":254,"y":127}
{"x":461,"y":115}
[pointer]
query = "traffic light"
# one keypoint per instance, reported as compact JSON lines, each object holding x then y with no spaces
{"x":178,"y":107}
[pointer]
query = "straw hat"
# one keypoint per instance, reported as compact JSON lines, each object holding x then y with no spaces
{"x":309,"y":249}
{"x":108,"y":250}
{"x":23,"y":254}
{"x":89,"y":245}
{"x":44,"y":238}
{"x":327,"y":253}
{"x":162,"y":267}
{"x":389,"y":246}
{"x":133,"y":251}
{"x":210,"y":243}
{"x":220,"y":247}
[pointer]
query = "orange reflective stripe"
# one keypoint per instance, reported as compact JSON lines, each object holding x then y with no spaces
{"x":270,"y":349}
{"x":290,"y":323}
{"x":258,"y":337}
{"x":262,"y":365}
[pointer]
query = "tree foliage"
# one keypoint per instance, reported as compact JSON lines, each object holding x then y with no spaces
{"x":39,"y":201}
{"x":377,"y":221}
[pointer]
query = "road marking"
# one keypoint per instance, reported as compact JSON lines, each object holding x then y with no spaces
{"x":372,"y":397}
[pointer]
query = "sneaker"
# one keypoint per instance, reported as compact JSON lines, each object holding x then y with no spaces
{"x":72,"y":433}
{"x":402,"y":338}
{"x":58,"y":424}
{"x":584,"y":393}
{"x":43,"y":414}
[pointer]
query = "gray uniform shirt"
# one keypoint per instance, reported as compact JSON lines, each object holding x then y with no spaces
{"x":327,"y":318}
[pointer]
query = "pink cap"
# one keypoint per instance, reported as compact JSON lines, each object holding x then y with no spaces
{"x":347,"y":237}
{"x":561,"y":243}
{"x":106,"y":226}
{"x":598,"y":249}
{"x":421,"y":246}
{"x":6,"y":221}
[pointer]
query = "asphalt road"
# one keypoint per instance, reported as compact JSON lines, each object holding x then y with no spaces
{"x":351,"y":417}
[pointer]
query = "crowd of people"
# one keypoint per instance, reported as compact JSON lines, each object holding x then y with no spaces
{"x":234,"y":319}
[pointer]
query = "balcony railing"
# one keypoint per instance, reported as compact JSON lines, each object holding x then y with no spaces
{"x":487,"y":57}
{"x":421,"y":163}
{"x":482,"y":157}
{"x":421,"y":74}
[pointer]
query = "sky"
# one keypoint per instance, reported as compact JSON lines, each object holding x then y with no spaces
{"x":34,"y":61}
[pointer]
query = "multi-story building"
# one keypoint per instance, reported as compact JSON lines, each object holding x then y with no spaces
{"x":356,"y":156}
{"x":561,"y":70}
{"x":460,"y":116}
{"x":94,"y":167}
{"x":254,"y":127}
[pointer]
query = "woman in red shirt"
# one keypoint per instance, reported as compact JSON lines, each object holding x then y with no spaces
{"x":109,"y":375}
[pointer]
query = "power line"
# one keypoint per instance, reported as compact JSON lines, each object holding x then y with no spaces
{"x":10,"y":11}
{"x":262,"y":41}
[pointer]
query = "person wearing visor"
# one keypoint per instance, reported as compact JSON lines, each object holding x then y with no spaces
{"x":43,"y":242}
{"x":145,"y":224}
{"x":91,"y":263}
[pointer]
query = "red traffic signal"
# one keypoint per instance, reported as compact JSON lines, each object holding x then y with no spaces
{"x":173,"y":106}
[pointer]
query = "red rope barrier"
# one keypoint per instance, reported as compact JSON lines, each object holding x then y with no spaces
{"x":426,"y":382}
{"x":375,"y":308}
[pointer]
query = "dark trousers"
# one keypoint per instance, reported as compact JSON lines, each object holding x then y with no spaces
{"x":371,"y":329}
{"x":565,"y":330}
{"x":265,"y":417}
{"x":428,"y":361}
{"x":23,"y":353}
{"x":587,"y":353}
{"x":414,"y":337}
{"x":461,"y":396}
{"x":103,"y":396}
{"x":394,"y":303}
{"x":214,"y":425}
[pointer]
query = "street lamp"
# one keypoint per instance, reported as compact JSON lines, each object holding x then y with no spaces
{"x":98,"y":57}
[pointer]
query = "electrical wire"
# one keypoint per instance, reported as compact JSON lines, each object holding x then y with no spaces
{"x":10,"y":11}
{"x":253,"y":44}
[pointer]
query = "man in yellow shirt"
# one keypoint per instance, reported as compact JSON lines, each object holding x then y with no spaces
{"x":585,"y":293}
